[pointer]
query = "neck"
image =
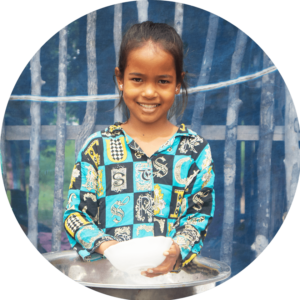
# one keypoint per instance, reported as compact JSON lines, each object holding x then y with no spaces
{"x":159,"y":128}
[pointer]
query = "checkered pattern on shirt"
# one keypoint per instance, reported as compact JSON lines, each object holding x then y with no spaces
{"x":116,"y":149}
{"x":74,"y":222}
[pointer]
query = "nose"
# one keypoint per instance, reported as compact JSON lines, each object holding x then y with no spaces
{"x":149,"y":91}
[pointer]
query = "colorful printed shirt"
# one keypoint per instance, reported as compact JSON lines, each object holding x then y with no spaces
{"x":118,"y":193}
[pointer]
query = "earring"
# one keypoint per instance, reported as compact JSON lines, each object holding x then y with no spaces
{"x":121,"y":86}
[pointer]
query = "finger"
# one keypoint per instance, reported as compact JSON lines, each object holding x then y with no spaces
{"x":157,"y":271}
{"x":152,"y":276}
{"x":171,"y":250}
{"x":155,"y":275}
{"x":170,"y":253}
{"x":162,"y":269}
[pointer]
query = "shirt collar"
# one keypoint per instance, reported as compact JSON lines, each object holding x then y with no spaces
{"x":182,"y":131}
{"x":115,"y":127}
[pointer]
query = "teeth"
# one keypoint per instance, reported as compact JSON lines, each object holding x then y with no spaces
{"x":148,"y":106}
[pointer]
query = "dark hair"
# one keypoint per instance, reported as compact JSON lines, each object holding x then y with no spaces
{"x":136,"y":36}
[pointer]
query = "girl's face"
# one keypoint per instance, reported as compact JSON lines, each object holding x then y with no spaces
{"x":149,"y":83}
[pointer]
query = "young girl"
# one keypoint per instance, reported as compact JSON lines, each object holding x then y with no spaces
{"x":144,"y":177}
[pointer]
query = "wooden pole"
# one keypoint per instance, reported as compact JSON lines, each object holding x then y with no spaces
{"x":118,"y":113}
{"x":205,"y":72}
{"x":3,"y":160}
{"x":191,"y":90}
{"x":264,"y":155}
{"x":178,"y":24}
{"x":91,"y":107}
{"x":60,"y":143}
{"x":35,"y":132}
{"x":234,"y":104}
{"x":3,"y":190}
{"x":142,"y":7}
{"x":291,"y":147}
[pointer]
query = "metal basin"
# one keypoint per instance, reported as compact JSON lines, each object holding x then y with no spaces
{"x":201,"y":274}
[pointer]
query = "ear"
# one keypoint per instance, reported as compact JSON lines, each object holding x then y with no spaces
{"x":119,"y":79}
{"x":178,"y":86}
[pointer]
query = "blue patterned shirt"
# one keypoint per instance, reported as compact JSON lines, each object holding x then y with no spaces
{"x":119,"y":193}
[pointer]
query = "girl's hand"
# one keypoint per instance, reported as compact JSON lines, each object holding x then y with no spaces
{"x":105,"y":245}
{"x":167,"y":265}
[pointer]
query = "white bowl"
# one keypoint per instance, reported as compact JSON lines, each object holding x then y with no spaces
{"x":137,"y":255}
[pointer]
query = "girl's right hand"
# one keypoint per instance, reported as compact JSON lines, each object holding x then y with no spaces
{"x":104,"y":246}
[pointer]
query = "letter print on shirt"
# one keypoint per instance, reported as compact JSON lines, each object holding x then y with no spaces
{"x":161,"y":223}
{"x":93,"y":155}
{"x":190,"y":144}
{"x":90,"y":195}
{"x":75,"y":174}
{"x":198,"y":201}
{"x":143,"y":177}
{"x":177,"y":170}
{"x":116,"y":149}
{"x":159,"y":203}
{"x":162,"y":169}
{"x":183,"y":206}
{"x":144,"y":207}
{"x":208,"y":159}
{"x":118,"y":179}
{"x":71,"y":199}
{"x":100,"y":189}
{"x":194,"y":221}
{"x":171,"y":225}
{"x":180,"y":194}
{"x":91,"y":178}
{"x":96,"y":218}
{"x":167,"y":144}
{"x":182,"y":127}
{"x":190,"y":233}
{"x":117,"y":211}
{"x":181,"y":241}
{"x":138,"y":152}
{"x":137,"y":196}
{"x":123,"y":234}
{"x":88,"y":244}
{"x":206,"y":177}
{"x":147,"y":228}
{"x":201,"y":201}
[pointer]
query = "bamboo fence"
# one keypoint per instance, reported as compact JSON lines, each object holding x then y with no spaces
{"x":264,"y":134}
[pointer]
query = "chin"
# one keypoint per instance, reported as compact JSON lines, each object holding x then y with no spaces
{"x":148,"y":120}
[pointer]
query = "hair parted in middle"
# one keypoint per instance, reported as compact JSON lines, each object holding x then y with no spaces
{"x":167,"y":37}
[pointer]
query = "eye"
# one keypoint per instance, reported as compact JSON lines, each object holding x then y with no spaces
{"x":164,"y":81}
{"x":136,"y":79}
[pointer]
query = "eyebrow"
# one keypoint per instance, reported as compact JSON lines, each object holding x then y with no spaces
{"x":140,"y":74}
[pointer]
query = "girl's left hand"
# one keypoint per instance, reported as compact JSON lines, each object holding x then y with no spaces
{"x":167,"y":265}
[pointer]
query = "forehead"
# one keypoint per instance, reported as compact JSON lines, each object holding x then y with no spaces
{"x":151,"y":57}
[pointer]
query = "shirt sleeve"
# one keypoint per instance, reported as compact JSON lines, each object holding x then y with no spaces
{"x":82,"y":211}
{"x":197,"y":207}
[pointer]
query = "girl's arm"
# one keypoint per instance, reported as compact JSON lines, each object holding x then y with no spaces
{"x":197,"y":208}
{"x":82,"y":212}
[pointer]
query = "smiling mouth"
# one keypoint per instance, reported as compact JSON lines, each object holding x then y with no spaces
{"x":148,"y":105}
